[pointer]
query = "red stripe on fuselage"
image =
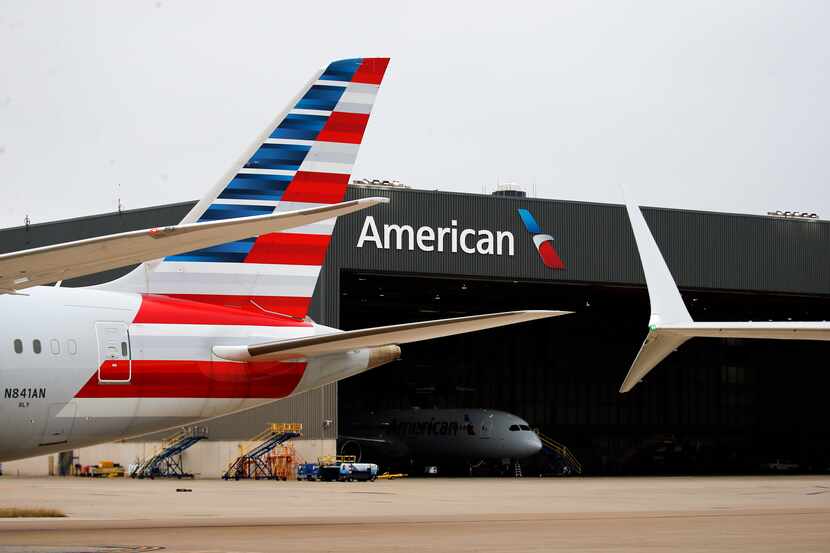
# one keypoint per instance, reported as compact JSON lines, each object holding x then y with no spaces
{"x":114,"y":370}
{"x":344,"y":127}
{"x":201,"y":379}
{"x":279,"y":305}
{"x":371,"y":71}
{"x":221,"y":310}
{"x":316,"y":188}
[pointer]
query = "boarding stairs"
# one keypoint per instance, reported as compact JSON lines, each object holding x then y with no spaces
{"x":552,"y":447}
{"x":167,"y":462}
{"x":254,"y":461}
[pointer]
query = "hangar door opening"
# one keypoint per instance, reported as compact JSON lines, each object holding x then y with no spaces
{"x":712,"y":407}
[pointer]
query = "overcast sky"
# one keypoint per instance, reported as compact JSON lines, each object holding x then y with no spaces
{"x":701,"y":105}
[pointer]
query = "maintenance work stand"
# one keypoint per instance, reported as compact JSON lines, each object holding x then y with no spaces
{"x":568,"y":461}
{"x":258,"y":461}
{"x":167,"y":462}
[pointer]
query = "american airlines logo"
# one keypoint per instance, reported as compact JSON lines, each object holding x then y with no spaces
{"x":441,"y":239}
{"x":543,"y":242}
{"x":457,"y":239}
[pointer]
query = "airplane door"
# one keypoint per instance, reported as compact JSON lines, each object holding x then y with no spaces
{"x":486,"y":427}
{"x":113,"y":353}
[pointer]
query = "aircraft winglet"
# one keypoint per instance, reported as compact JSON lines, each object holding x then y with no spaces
{"x":670,"y":324}
{"x":656,"y":347}
{"x":667,"y":305}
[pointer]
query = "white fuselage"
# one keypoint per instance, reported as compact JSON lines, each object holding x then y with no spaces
{"x":445,"y":434}
{"x":112,"y":365}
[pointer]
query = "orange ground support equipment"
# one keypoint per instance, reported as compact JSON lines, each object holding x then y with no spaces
{"x":283,"y":462}
{"x":266,"y":457}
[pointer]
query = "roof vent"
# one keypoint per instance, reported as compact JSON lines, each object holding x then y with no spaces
{"x":792,"y":214}
{"x":510,"y":190}
{"x":379,"y":183}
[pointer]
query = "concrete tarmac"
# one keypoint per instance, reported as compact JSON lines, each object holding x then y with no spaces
{"x":779,"y":513}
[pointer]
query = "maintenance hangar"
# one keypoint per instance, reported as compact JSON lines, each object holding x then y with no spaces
{"x":714,"y":406}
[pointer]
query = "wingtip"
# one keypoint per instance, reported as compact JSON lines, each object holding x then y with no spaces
{"x":232,"y":353}
{"x":657,"y":345}
{"x":635,"y":373}
{"x":627,"y":385}
{"x":374,"y":200}
{"x":545,"y":313}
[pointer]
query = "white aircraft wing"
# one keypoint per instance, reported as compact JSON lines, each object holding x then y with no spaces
{"x":338,"y":342}
{"x":670,"y":324}
{"x":27,"y":268}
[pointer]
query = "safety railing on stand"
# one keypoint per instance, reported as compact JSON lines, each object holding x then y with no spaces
{"x":167,"y":461}
{"x":568,"y":458}
{"x":255,"y":460}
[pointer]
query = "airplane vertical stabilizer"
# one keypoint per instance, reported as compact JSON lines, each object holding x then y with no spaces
{"x":302,"y":160}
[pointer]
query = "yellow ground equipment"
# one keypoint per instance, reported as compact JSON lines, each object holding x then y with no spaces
{"x":335,"y":459}
{"x":104,"y":469}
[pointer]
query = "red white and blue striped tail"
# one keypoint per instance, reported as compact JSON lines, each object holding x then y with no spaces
{"x":303,"y":159}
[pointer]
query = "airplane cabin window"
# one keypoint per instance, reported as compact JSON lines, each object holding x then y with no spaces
{"x":514,"y":427}
{"x":36,"y":346}
{"x":124,"y":352}
{"x":72,"y":347}
{"x":18,"y":346}
{"x":55,"y":346}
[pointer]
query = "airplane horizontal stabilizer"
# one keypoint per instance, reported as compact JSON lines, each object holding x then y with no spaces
{"x":27,"y":268}
{"x":338,"y":342}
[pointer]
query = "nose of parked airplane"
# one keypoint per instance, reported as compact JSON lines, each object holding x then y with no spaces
{"x":532,"y":444}
{"x":524,"y":444}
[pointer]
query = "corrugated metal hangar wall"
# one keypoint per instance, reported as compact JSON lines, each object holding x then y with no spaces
{"x":732,"y":403}
{"x":713,"y":406}
{"x":744,"y":253}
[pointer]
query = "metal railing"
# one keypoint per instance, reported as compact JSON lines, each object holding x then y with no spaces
{"x":167,"y":461}
{"x":252,"y":461}
{"x":562,"y":450}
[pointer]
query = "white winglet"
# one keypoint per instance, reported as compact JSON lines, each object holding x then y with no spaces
{"x":667,"y":306}
{"x":656,"y":347}
{"x":670,"y":324}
